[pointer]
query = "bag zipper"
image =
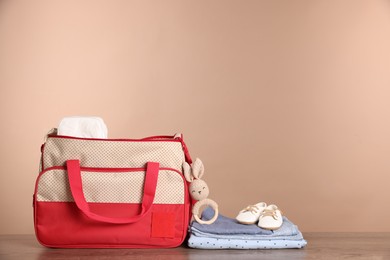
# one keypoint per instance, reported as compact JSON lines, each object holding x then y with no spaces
{"x":176,"y":137}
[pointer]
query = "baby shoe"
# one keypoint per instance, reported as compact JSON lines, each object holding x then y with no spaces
{"x":251,"y":214}
{"x":271,"y":218}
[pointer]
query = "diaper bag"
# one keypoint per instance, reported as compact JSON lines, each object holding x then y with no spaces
{"x":112,"y":193}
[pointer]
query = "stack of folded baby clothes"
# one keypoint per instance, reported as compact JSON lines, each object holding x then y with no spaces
{"x":227,"y":233}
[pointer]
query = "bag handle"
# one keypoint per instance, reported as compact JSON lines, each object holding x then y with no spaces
{"x":76,"y":187}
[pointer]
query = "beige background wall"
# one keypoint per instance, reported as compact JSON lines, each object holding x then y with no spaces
{"x":286,"y":102}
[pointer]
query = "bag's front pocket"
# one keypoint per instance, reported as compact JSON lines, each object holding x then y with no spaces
{"x":108,"y":207}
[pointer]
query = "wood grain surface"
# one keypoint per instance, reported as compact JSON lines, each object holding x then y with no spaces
{"x":320,"y":246}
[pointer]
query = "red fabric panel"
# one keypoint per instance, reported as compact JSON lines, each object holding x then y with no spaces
{"x":163,"y":224}
{"x":62,"y":224}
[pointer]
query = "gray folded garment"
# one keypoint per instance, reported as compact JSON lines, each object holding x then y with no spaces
{"x":228,"y":226}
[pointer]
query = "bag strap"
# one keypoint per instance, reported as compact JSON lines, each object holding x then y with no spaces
{"x":76,"y":187}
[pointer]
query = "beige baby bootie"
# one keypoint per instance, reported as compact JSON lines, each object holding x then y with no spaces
{"x":251,"y":214}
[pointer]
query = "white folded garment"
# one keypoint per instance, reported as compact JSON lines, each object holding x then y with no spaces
{"x":82,"y":126}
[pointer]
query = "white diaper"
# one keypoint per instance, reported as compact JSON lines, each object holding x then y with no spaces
{"x":82,"y":126}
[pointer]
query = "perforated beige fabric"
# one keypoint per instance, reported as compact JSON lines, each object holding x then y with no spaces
{"x":111,"y":187}
{"x":112,"y":154}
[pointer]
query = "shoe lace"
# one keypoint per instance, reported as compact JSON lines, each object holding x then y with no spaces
{"x":252,"y":208}
{"x":270,"y":212}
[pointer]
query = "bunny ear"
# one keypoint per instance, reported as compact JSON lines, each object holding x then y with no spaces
{"x":197,"y":169}
{"x":187,"y":172}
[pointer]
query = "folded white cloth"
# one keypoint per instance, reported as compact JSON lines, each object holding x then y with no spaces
{"x":82,"y":126}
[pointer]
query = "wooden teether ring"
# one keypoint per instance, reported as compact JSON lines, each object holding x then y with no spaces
{"x":202,"y":203}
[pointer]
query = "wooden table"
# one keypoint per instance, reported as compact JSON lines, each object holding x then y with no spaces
{"x":320,"y":246}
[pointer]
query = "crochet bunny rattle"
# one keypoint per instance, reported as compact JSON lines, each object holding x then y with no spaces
{"x":199,"y":190}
